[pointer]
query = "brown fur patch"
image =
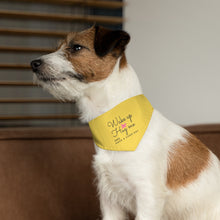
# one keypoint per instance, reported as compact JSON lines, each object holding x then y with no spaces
{"x":186,"y":161}
{"x":86,"y":62}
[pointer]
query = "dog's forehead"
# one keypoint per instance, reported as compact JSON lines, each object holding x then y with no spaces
{"x":84,"y":37}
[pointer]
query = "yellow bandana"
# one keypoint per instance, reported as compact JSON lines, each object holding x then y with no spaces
{"x":122,"y":128}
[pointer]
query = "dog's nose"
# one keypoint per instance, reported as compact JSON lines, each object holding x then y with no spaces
{"x":35,"y":64}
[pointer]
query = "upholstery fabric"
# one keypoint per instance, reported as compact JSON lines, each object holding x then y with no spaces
{"x":46,"y":174}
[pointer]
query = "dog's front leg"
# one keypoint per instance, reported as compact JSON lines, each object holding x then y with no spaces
{"x":149,"y":203}
{"x":111,"y":210}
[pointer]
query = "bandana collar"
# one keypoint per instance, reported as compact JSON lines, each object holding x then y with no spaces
{"x":122,"y":127}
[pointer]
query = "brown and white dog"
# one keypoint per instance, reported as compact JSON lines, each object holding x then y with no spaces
{"x":171,"y":175}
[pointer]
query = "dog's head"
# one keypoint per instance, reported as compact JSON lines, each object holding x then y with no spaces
{"x":83,"y":58}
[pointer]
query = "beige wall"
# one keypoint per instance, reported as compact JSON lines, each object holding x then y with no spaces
{"x":175,"y":49}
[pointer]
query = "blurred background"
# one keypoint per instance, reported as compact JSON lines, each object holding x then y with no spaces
{"x":174,"y":48}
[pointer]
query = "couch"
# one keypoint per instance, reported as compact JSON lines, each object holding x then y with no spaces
{"x":45,"y":173}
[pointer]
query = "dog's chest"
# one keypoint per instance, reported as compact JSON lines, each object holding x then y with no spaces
{"x":114,"y":181}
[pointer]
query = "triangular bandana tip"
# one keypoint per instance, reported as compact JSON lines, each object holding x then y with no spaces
{"x":122,"y":127}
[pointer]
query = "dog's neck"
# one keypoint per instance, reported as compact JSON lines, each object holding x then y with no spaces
{"x":103,"y":95}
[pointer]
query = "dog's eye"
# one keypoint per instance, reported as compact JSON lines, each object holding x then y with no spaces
{"x":75,"y":48}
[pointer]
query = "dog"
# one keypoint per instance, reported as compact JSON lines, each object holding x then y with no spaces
{"x":170,"y":175}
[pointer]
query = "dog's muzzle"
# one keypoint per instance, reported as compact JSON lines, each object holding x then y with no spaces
{"x":38,"y":67}
{"x":35,"y":65}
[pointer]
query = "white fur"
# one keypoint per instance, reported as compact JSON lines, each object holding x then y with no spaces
{"x":135,"y":182}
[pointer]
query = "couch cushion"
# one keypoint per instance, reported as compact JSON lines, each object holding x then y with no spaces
{"x":209,"y":134}
{"x":45,"y":174}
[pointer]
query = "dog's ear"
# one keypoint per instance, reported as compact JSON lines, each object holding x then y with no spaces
{"x":107,"y":41}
